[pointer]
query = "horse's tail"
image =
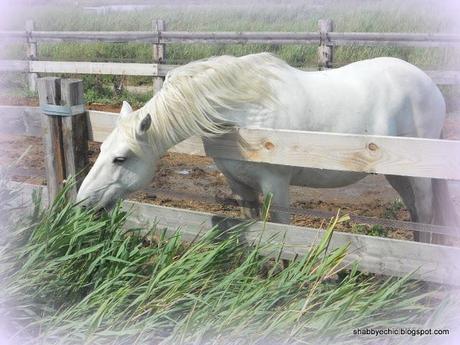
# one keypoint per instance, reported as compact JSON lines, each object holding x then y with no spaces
{"x":443,"y":207}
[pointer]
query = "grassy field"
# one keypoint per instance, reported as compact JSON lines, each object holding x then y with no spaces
{"x":70,"y":276}
{"x":349,"y":15}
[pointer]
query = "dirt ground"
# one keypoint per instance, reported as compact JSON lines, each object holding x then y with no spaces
{"x":194,"y":182}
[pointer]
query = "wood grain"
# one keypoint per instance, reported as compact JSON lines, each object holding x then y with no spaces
{"x":160,"y":70}
{"x":79,"y":67}
{"x":49,"y":93}
{"x":159,"y":53}
{"x":325,"y":49}
{"x":404,"y":156}
{"x":75,"y":134}
{"x":31,"y":55}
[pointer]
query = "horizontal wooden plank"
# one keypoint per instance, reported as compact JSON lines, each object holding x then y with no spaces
{"x":445,"y":77}
{"x":26,"y":121}
{"x":102,"y":123}
{"x":395,"y":36}
{"x":82,"y":67}
{"x":13,"y":35}
{"x":114,"y":68}
{"x":99,"y":36}
{"x":384,"y":256}
{"x":337,"y":38}
{"x":14,"y":66}
{"x":347,"y":152}
{"x":146,"y":69}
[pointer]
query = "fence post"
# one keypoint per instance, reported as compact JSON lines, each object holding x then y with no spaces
{"x":325,"y":50}
{"x":31,"y":55}
{"x":159,"y":53}
{"x":75,"y":132}
{"x":64,"y":131}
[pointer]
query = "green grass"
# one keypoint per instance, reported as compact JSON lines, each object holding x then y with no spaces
{"x":366,"y":16}
{"x":391,"y":212}
{"x":70,"y":276}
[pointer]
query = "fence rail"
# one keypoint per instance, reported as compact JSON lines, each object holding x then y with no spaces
{"x":336,"y":38}
{"x":22,"y":120}
{"x":429,"y":262}
{"x":159,"y":37}
{"x":404,"y":156}
{"x":144,"y":69}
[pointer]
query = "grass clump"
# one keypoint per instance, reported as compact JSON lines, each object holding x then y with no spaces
{"x":71,"y":276}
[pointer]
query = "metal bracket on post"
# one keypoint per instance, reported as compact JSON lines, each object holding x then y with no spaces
{"x":62,"y":110}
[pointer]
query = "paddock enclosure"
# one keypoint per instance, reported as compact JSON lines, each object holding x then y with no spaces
{"x":65,"y":141}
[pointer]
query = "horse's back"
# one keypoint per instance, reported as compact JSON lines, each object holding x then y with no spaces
{"x":385,"y":96}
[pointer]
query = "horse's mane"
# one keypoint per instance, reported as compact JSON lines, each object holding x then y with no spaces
{"x":194,"y":97}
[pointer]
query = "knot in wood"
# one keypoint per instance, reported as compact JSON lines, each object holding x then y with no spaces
{"x":269,"y":146}
{"x":372,"y":147}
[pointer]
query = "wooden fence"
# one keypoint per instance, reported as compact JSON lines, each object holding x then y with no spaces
{"x":385,"y":256}
{"x":432,"y":262}
{"x":362,"y":153}
{"x":20,"y":120}
{"x":159,"y":37}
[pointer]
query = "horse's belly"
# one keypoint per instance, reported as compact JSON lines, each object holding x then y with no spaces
{"x":323,"y":178}
{"x":251,"y":174}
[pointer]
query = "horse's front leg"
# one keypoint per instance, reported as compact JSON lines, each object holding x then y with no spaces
{"x":249,"y":198}
{"x":277,"y":185}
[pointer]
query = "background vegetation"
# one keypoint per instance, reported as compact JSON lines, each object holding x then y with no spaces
{"x":295,"y":15}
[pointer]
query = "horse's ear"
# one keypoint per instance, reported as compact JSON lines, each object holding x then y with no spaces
{"x":144,"y":125}
{"x":125,"y":109}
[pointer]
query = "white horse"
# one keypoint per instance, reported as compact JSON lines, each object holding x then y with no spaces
{"x":208,"y":98}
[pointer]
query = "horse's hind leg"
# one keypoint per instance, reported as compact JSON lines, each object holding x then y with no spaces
{"x":417,"y":195}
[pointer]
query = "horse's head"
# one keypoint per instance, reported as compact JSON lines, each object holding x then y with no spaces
{"x":126,"y":163}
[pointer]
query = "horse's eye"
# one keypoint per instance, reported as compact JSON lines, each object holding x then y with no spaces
{"x":119,"y":160}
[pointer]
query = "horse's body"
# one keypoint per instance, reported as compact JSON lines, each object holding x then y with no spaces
{"x":383,"y":96}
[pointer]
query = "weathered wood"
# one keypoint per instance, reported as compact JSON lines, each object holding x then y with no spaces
{"x":75,"y":134}
{"x":31,"y":55}
{"x":49,"y":93}
{"x":350,"y":152}
{"x":376,"y":255}
{"x":13,"y":35}
{"x":26,"y":120}
{"x":384,"y":256}
{"x":325,"y":52}
{"x":159,"y":53}
{"x":445,"y":77}
{"x":14,"y":66}
{"x":343,"y":38}
{"x":396,"y":37}
{"x":402,"y":156}
{"x":80,"y":67}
